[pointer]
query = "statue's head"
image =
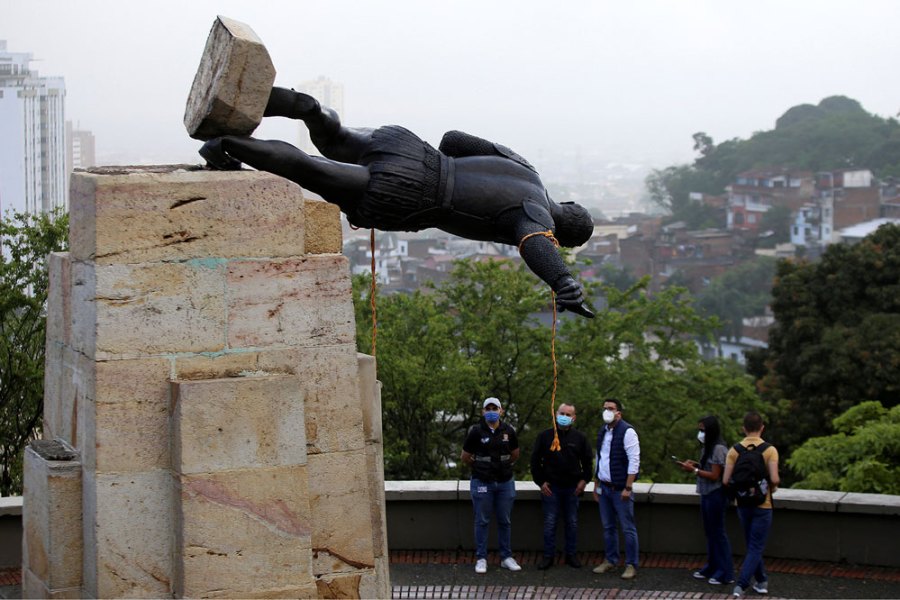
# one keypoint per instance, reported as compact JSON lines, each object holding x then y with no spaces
{"x":574,"y":225}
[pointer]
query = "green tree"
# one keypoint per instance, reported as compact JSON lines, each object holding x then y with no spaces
{"x":642,"y":351}
{"x":489,"y":342}
{"x":836,"y":339}
{"x":863,"y":455}
{"x":741,"y":292}
{"x":26,"y":242}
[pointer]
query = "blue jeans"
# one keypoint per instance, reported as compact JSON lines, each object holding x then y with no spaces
{"x":719,"y":563}
{"x":563,"y":503}
{"x":613,"y":508}
{"x":756,"y":523}
{"x":488,"y":497}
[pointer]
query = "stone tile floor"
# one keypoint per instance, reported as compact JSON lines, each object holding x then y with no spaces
{"x":447,"y":574}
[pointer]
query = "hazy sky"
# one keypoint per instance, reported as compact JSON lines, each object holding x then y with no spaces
{"x":627,"y":80}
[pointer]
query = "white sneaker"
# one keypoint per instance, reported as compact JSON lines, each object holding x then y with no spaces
{"x":761,"y":587}
{"x":481,"y":565}
{"x":511,"y":564}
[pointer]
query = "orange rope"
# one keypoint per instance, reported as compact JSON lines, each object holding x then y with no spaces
{"x":554,"y":447}
{"x":372,"y":296}
{"x":546,"y":234}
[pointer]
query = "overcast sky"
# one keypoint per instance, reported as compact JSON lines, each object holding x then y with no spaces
{"x":629,"y":80}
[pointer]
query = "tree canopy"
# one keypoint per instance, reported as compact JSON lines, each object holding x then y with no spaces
{"x":27,"y":240}
{"x":836,"y":339}
{"x":441,"y":353}
{"x":863,"y":455}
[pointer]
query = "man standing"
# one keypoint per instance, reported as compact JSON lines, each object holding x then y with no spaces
{"x":756,"y":519}
{"x":618,"y":463}
{"x":491,"y":448}
{"x":562,"y":475}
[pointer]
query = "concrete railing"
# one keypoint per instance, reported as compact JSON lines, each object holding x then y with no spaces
{"x":808,"y":524}
{"x":437,"y":515}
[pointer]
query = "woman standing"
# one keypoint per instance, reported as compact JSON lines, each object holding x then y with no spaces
{"x":719,"y":567}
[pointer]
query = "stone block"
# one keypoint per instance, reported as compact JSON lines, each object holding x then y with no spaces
{"x":376,"y":583}
{"x":131,"y":533}
{"x":323,"y":227}
{"x":377,"y":506}
{"x":242,"y":532}
{"x":327,"y":376}
{"x":232,"y":84}
{"x":84,"y":308}
{"x":67,"y":384}
{"x":126,"y":428}
{"x":51,"y":523}
{"x":59,"y":306}
{"x":192,"y":367}
{"x":151,"y":214}
{"x":154,"y":308}
{"x":237,"y":423}
{"x":339,"y":497}
{"x":370,"y":398}
{"x":341,"y":586}
{"x":290,"y":302}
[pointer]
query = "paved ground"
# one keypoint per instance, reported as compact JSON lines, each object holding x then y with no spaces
{"x":452,"y":575}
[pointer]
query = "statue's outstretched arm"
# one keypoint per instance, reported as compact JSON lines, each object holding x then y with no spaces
{"x":540,"y":254}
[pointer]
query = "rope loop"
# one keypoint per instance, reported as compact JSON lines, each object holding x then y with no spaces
{"x":547,"y":234}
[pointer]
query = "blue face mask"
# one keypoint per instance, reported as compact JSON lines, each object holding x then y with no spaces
{"x":491,"y":416}
{"x":563,"y":420}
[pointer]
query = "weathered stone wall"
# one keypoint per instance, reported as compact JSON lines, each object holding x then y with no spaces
{"x":201,"y":358}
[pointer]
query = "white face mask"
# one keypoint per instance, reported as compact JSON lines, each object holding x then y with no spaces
{"x":701,"y":436}
{"x":608,"y":416}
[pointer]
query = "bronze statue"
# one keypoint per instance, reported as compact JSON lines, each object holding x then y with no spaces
{"x":389,"y":179}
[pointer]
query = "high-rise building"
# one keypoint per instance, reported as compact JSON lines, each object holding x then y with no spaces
{"x":328,"y":93}
{"x":79,"y":148}
{"x":33,"y":175}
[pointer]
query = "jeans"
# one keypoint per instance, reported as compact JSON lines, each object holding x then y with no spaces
{"x":719,"y":563}
{"x":562,"y":503}
{"x":488,"y":497}
{"x":756,"y":523}
{"x":613,"y":508}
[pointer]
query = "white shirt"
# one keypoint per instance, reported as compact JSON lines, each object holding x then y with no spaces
{"x":632,"y":451}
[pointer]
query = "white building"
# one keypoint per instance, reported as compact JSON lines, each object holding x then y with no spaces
{"x":80,"y":148}
{"x":328,"y":93}
{"x":32,"y":137}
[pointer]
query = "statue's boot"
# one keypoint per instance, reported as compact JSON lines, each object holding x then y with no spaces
{"x":291,"y":104}
{"x":216,"y":158}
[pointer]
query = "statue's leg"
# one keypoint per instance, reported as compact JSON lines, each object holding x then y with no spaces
{"x":333,"y":140}
{"x":340,"y":183}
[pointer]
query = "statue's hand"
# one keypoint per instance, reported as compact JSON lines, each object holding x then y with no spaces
{"x":570,"y":296}
{"x":216,"y":158}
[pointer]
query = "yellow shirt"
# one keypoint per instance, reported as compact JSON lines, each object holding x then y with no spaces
{"x":770,"y":454}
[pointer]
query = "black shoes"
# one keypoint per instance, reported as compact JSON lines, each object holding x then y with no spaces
{"x":573,"y":561}
{"x":546,"y":563}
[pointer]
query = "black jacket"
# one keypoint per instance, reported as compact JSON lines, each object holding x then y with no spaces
{"x":492,"y":450}
{"x":572,"y":463}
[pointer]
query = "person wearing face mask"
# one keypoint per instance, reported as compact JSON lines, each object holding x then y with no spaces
{"x":491,"y":449}
{"x":562,"y":476}
{"x":618,"y":463}
{"x":719,"y":567}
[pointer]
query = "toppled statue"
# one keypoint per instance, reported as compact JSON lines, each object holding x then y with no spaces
{"x":390,"y":179}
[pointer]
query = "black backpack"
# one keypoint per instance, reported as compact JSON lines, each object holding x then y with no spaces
{"x":750,"y":478}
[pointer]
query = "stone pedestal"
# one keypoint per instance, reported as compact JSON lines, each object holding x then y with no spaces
{"x":201,"y":359}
